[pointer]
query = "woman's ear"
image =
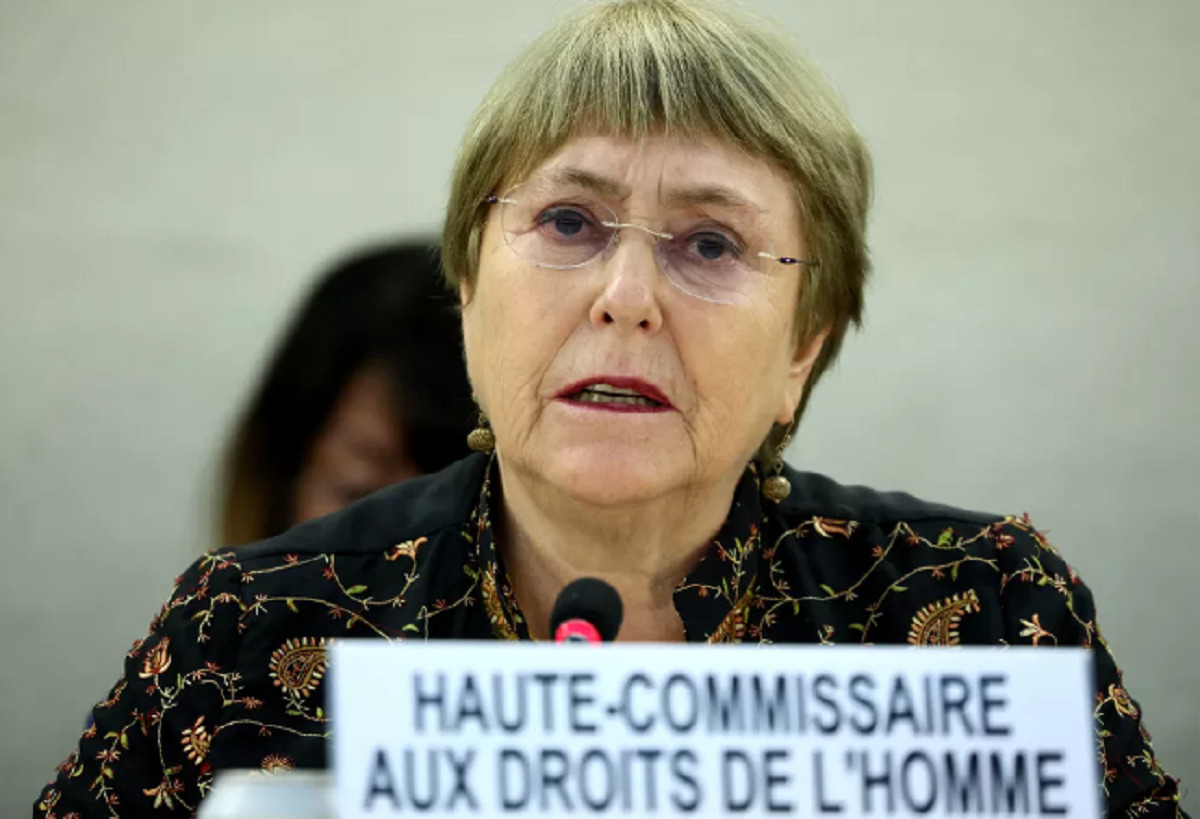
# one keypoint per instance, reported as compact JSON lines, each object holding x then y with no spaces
{"x":464,"y":293}
{"x":799,"y":370}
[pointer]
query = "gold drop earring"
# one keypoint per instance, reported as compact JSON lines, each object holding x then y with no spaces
{"x":482,"y":439}
{"x":777,"y":487}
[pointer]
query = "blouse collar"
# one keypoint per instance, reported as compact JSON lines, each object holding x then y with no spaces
{"x":712,"y":600}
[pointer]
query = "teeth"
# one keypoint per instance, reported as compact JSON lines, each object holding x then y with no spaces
{"x":601,"y":393}
{"x":611,"y":390}
{"x":589,"y":397}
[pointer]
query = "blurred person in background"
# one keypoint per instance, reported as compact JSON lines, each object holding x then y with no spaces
{"x":365,"y":389}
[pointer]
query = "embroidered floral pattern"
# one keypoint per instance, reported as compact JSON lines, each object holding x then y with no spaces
{"x":297,"y":666}
{"x":1121,"y":701}
{"x":828,"y":527}
{"x":733,"y":627}
{"x":937,"y":623}
{"x":277,"y":762}
{"x":158,"y":660}
{"x":406,"y":549}
{"x":196,"y":741}
{"x":1034,"y":631}
{"x":231,"y":673}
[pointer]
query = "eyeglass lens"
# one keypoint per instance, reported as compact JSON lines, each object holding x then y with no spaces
{"x":564,"y":227}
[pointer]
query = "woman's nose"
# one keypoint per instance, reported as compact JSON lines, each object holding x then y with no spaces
{"x":629,"y":298}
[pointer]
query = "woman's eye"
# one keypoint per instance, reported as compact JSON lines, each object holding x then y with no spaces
{"x":566,"y":222}
{"x":712,"y":247}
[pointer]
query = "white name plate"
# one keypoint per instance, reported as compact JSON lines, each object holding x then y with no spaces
{"x":445,"y":729}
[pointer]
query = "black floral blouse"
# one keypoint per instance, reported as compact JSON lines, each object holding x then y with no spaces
{"x":230,"y":675}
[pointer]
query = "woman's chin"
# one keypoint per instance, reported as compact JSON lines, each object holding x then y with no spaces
{"x":613,"y":475}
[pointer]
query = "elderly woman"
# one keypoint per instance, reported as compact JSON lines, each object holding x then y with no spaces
{"x":656,"y":228}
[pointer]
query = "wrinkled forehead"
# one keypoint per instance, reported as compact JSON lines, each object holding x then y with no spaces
{"x":665,"y":170}
{"x":670,"y":174}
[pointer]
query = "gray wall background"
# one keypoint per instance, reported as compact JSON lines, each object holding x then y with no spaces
{"x":172,"y":174}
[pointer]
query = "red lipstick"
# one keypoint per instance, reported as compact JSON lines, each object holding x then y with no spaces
{"x":615,"y":393}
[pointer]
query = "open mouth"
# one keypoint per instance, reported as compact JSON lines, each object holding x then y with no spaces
{"x":626,"y":395}
{"x":608,"y":394}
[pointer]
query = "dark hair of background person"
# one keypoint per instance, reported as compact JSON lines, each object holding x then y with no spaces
{"x":384,"y":306}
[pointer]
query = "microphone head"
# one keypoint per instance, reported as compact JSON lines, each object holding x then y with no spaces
{"x":591,"y":600}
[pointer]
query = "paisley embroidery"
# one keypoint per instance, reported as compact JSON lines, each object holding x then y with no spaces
{"x":298,"y":665}
{"x":937,"y":623}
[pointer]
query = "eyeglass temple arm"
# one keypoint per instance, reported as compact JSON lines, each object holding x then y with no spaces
{"x":788,"y":260}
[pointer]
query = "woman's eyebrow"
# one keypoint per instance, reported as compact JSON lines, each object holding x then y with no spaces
{"x":719,"y":195}
{"x":578,"y":176}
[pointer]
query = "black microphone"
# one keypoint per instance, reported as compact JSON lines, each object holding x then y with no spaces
{"x":587,"y":610}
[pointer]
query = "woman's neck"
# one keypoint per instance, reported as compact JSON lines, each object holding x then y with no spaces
{"x":644,"y":550}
